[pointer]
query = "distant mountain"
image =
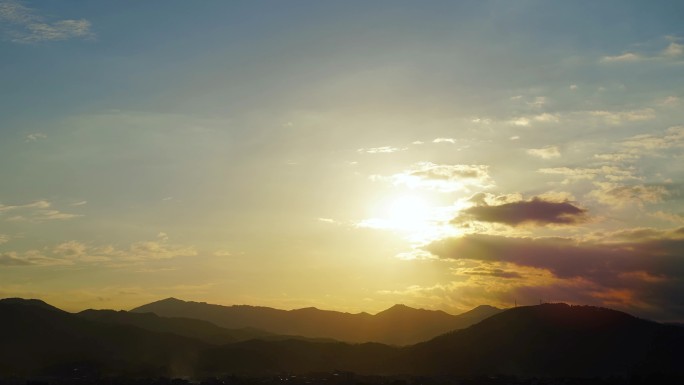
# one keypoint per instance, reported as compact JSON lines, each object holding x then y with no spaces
{"x":187,"y":327}
{"x":553,"y":340}
{"x":398,"y":325}
{"x":38,"y":339}
{"x":546,"y":340}
{"x":194,"y":328}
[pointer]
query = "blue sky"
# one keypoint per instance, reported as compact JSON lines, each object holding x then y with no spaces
{"x":343,"y":155}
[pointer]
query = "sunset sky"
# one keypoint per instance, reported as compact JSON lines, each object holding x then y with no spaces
{"x":347,"y":155}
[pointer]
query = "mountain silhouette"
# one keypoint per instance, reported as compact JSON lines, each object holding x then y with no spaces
{"x":398,"y":325}
{"x":187,"y":327}
{"x":38,"y":339}
{"x":202,"y":330}
{"x":553,"y":340}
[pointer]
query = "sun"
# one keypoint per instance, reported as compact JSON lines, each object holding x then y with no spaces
{"x":408,"y":211}
{"x":415,"y":218}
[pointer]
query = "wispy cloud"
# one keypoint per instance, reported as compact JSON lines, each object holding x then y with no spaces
{"x":673,"y":50}
{"x":442,"y":177}
{"x":35,"y":137}
{"x":620,"y":195}
{"x":548,"y":152}
{"x":618,"y":117}
{"x":381,"y":150}
{"x":36,"y":212}
{"x":72,"y":253}
{"x":22,"y":24}
{"x":625,"y":57}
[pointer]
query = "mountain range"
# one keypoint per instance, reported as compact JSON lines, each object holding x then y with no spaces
{"x":398,"y":325}
{"x":543,"y":340}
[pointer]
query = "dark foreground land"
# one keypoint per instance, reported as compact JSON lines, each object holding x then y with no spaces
{"x":343,"y":378}
{"x":545,"y":344}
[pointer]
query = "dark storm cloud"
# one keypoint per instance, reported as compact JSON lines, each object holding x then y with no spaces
{"x":535,"y":211}
{"x":649,"y":266}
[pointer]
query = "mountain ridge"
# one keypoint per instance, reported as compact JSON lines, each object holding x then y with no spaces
{"x":397,"y":325}
{"x":550,"y":340}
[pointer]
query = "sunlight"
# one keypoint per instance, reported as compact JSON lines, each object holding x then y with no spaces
{"x":408,"y":211}
{"x":415,"y":218}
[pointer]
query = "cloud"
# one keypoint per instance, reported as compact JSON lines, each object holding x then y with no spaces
{"x":618,"y":195}
{"x":25,"y":25}
{"x":12,"y":259}
{"x":671,"y":51}
{"x":35,"y":212}
{"x":625,"y":57}
{"x":525,"y":121}
{"x":536,"y":211}
{"x":645,"y":266}
{"x":548,"y":152}
{"x":441,"y":177}
{"x":611,"y":173}
{"x":618,"y":117}
{"x":639,"y":144}
{"x":488,"y":271}
{"x":77,"y":253}
{"x":674,"y":50}
{"x":35,"y":137}
{"x":444,"y":140}
{"x":381,"y":150}
{"x":71,"y":249}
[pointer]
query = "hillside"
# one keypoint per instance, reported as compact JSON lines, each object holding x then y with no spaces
{"x":553,"y":340}
{"x":38,"y":339}
{"x":398,"y":325}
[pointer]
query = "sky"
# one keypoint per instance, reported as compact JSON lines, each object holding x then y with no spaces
{"x":347,"y":155}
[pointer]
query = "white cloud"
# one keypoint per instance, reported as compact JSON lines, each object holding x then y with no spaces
{"x":625,"y":57}
{"x":444,"y":140}
{"x":482,"y":120}
{"x":441,"y":177}
{"x":36,"y":212}
{"x":538,"y":102}
{"x":25,"y":25}
{"x":380,"y":150}
{"x":674,"y":50}
{"x":674,"y":137}
{"x":617,"y":117}
{"x":621,"y":195}
{"x":548,"y":152}
{"x":521,"y":121}
{"x":35,"y":137}
{"x":75,"y":252}
{"x":610,"y":173}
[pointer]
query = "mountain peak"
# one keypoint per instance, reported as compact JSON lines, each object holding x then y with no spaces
{"x":29,"y":302}
{"x":398,"y":308}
